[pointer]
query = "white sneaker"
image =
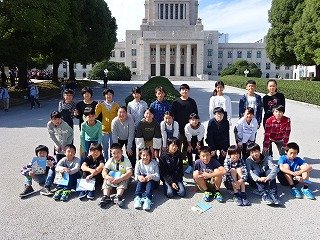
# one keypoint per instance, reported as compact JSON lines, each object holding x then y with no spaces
{"x":146,"y":204}
{"x":189,"y":170}
{"x":137,"y":202}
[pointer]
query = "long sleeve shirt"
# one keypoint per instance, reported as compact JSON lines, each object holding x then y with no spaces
{"x":228,"y":165}
{"x":171,"y":167}
{"x":159,"y":109}
{"x":67,"y":110}
{"x":123,"y":130}
{"x":108,"y":111}
{"x":165,"y":127}
{"x":152,"y":169}
{"x":256,"y":104}
{"x":223,"y":101}
{"x":277,"y":131}
{"x":74,"y":165}
{"x":137,"y":109}
{"x":246,"y":131}
{"x":191,"y":132}
{"x":61,"y":135}
{"x":90,"y":133}
{"x":147,"y":132}
{"x":264,"y":167}
{"x":270,"y":102}
{"x":218,"y":137}
{"x":80,"y":106}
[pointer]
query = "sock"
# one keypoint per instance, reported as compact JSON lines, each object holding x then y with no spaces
{"x":305,"y":186}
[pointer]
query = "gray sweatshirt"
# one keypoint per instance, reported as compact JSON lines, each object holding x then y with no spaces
{"x":265,"y":166}
{"x":123,"y":130}
{"x":61,"y":135}
{"x":151,"y":169}
{"x":74,"y":165}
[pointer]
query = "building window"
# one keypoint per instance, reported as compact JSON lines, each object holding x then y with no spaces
{"x":258,"y":65}
{"x":267,"y":66}
{"x":286,"y":67}
{"x":229,"y":54}
{"x":84,"y":74}
{"x":209,"y":64}
{"x":210,"y":52}
{"x":134,"y":64}
{"x":152,"y":51}
{"x":182,"y":51}
{"x":172,"y":51}
{"x":122,"y":54}
{"x":249,"y":54}
{"x":192,"y":51}
{"x":267,"y":75}
{"x":176,"y":12}
{"x":219,"y":66}
{"x":171,"y":11}
{"x":162,"y":51}
{"x":181,"y":11}
{"x":166,"y":11}
{"x":220,"y":54}
{"x":113,"y":54}
{"x":84,"y":66}
{"x":287,"y":76}
{"x":161,"y":11}
{"x":210,"y":41}
{"x":134,"y":41}
{"x":277,"y":67}
{"x":133,"y":52}
{"x":239,"y":54}
{"x":258,"y":54}
{"x":64,"y":64}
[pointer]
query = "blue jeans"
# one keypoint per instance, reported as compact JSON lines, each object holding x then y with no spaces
{"x":106,"y":140}
{"x":146,"y":188}
{"x":169,"y":191}
{"x":46,"y":179}
{"x":72,"y":181}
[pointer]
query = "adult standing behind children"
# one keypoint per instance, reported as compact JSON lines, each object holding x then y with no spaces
{"x":251,"y":99}
{"x":137,"y":107}
{"x":219,"y":99}
{"x":67,"y":107}
{"x":4,"y":96}
{"x":181,"y":109}
{"x":109,"y":110}
{"x":160,"y":105}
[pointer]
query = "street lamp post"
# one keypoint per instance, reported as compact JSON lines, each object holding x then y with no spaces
{"x":246,"y":72}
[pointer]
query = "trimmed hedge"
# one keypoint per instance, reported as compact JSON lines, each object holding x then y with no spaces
{"x":148,"y":94}
{"x":303,"y":91}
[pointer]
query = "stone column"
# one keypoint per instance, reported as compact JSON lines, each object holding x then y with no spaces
{"x":188,"y":61}
{"x":168,"y":60}
{"x":157,"y":59}
{"x":200,"y":49}
{"x":146,"y":68}
{"x":178,"y":60}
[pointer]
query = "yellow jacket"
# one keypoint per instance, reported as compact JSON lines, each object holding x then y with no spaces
{"x":107,"y":115}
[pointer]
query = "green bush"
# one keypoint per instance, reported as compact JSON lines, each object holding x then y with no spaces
{"x":303,"y":91}
{"x":117,"y":71}
{"x":240,"y":66}
{"x":148,"y":94}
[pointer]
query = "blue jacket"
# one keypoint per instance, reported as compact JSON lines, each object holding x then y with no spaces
{"x":243,"y":104}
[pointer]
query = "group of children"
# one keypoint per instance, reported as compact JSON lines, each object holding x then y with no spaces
{"x":164,"y":136}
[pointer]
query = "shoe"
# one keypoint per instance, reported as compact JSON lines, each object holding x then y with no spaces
{"x":46,"y":191}
{"x":308,"y":193}
{"x":82,"y":194}
{"x":189,"y":170}
{"x":244,"y":199}
{"x":275,"y":199}
{"x":119,"y":201}
{"x":218,"y":197}
{"x":90,"y":195}
{"x":57,"y":194}
{"x":296,"y":192}
{"x":27,"y":191}
{"x":237,"y":199}
{"x":146,"y":204}
{"x":105,"y":200}
{"x":266,"y":199}
{"x":137,"y":202}
{"x":207,"y":196}
{"x":185,"y":162}
{"x":65,"y":195}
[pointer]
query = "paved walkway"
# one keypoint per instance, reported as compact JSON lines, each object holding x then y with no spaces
{"x":39,"y":217}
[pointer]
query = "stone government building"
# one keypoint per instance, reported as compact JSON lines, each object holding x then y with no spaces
{"x":171,"y":42}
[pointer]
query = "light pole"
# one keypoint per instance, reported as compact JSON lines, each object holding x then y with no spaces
{"x":246,"y":72}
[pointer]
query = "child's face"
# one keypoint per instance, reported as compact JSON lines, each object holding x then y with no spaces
{"x":235,"y":157}
{"x":160,"y":95}
{"x":251,"y":88}
{"x":168,"y":119}
{"x":255,"y":155}
{"x":70,"y":152}
{"x":194,"y":122}
{"x":90,"y":118}
{"x":116,"y":154}
{"x":122,"y":114}
{"x":218,"y":116}
{"x":292,"y":153}
{"x":86,"y":96}
{"x":205,"y":157}
{"x":95,"y":153}
{"x":184,"y":92}
{"x":145,"y":157}
{"x":56,"y":121}
{"x":109,"y":97}
{"x":277,"y":114}
{"x":148,"y":116}
{"x":272,"y":87}
{"x":219,"y":89}
{"x":248,"y":116}
{"x":68,"y":97}
{"x":42,"y":153}
{"x":173,"y":148}
{"x":136,"y":96}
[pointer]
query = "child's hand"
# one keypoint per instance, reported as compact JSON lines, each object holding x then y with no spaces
{"x":223,"y":153}
{"x":141,"y":178}
{"x":175,"y":186}
{"x":263,"y":179}
{"x":31,"y":174}
{"x":148,"y":178}
{"x":189,"y":149}
{"x":206,"y":175}
{"x":236,"y":184}
{"x":198,"y":146}
{"x":156,"y":153}
{"x":89,"y":177}
{"x":49,"y":163}
{"x":67,"y":170}
{"x":129,"y":152}
{"x":213,"y":153}
{"x":266,"y":151}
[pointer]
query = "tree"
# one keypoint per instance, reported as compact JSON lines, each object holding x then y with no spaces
{"x":240,"y":66}
{"x":117,"y":71}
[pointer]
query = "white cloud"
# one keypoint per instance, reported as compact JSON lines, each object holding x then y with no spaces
{"x":244,"y":20}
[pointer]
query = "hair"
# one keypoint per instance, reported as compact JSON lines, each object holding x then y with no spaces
{"x":41,"y":148}
{"x":218,"y":110}
{"x":86,"y":90}
{"x":253,"y":147}
{"x":88,"y":111}
{"x":174,"y":141}
{"x":96,"y":146}
{"x":108,"y":90}
{"x":250,"y":110}
{"x":205,"y":149}
{"x":292,"y":145}
{"x":168,"y":113}
{"x":150,"y":110}
{"x":55,"y":114}
{"x":194,"y":116}
{"x":233,"y":149}
{"x":251,"y":82}
{"x":115,"y":146}
{"x":184,"y":86}
{"x":159,"y":88}
{"x":146,"y":149}
{"x":71,"y":146}
{"x":68,"y":91}
{"x":136,"y":90}
{"x":272,"y":80}
{"x":216,"y":85}
{"x":279,"y":108}
{"x":124,"y":108}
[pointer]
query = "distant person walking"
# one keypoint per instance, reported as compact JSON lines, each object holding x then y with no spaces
{"x":33,"y":94}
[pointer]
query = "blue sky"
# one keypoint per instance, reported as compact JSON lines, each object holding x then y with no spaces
{"x":244,"y":20}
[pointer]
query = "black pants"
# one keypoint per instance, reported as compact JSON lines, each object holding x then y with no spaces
{"x":283,"y":181}
{"x":194,"y":141}
{"x":263,"y":186}
{"x":133,"y":157}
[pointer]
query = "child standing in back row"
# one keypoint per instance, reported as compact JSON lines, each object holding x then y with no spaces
{"x":160,"y":105}
{"x":67,"y":107}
